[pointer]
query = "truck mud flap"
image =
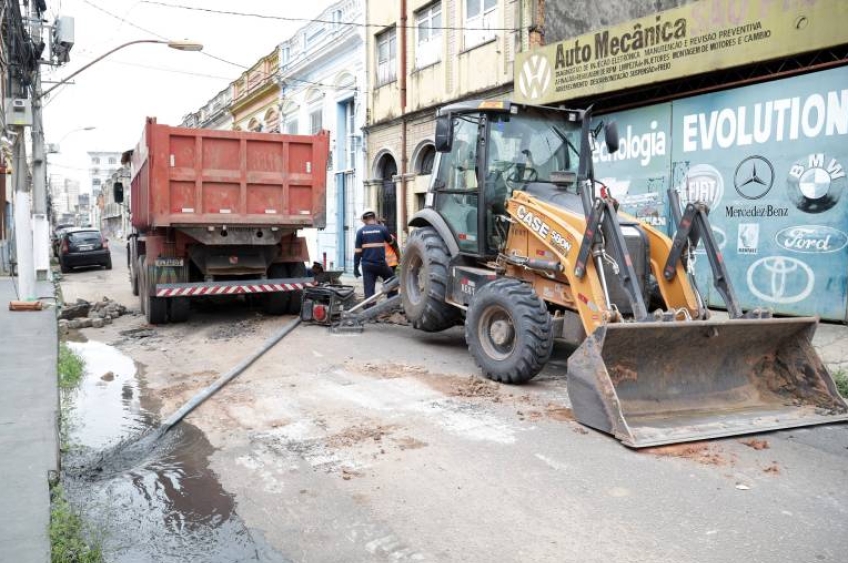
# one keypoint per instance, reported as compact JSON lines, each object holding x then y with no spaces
{"x":651,"y":384}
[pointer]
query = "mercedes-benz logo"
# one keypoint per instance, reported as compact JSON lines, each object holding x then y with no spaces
{"x":754,"y":177}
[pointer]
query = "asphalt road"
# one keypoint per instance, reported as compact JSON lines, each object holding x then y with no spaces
{"x":385,"y":447}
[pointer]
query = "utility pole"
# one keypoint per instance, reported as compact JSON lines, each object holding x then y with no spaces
{"x":23,"y":197}
{"x":23,"y":221}
{"x":40,"y":223}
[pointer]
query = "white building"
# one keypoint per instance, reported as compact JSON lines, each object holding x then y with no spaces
{"x":322,"y":82}
{"x":101,"y":167}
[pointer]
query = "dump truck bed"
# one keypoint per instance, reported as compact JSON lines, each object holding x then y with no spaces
{"x":195,"y":177}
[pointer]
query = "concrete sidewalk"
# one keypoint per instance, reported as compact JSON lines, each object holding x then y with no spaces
{"x":29,"y":432}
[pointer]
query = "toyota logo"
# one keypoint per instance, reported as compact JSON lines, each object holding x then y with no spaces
{"x":780,"y":279}
{"x":535,"y":77}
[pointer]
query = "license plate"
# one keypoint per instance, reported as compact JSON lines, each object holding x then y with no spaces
{"x":83,"y":247}
{"x":169,"y":262}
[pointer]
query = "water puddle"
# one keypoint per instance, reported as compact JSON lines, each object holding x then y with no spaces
{"x":164,"y":506}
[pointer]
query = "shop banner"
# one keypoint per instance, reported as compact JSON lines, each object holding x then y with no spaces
{"x":769,"y":160}
{"x":696,"y":38}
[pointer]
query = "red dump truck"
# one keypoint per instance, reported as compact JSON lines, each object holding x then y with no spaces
{"x":217,"y":213}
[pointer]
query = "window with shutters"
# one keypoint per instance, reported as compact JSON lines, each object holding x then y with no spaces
{"x":315,"y":122}
{"x":428,"y":30}
{"x":480,"y":21}
{"x":386,"y":57}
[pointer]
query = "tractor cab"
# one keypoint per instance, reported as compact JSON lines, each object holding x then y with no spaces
{"x":488,"y":150}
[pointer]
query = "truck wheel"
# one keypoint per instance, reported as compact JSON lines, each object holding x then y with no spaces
{"x":296,"y":270}
{"x":134,"y":281}
{"x":140,"y":283}
{"x":509,"y":332}
{"x":155,"y":309}
{"x":424,"y":281}
{"x":277,"y":303}
{"x":178,"y":308}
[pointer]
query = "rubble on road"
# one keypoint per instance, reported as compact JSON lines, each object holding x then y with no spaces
{"x":396,"y":318}
{"x":84,"y":314}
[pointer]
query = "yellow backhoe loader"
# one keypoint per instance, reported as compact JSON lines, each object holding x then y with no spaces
{"x":521,"y":244}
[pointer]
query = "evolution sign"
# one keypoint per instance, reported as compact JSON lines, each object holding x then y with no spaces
{"x":699,"y":37}
{"x":771,"y":162}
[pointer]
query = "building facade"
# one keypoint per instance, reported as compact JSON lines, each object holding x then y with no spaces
{"x":422,"y":55}
{"x":322,"y":78}
{"x":255,"y":94}
{"x":107,"y":214}
{"x":214,"y":115}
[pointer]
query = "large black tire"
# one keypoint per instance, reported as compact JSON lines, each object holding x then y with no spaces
{"x":63,"y":268}
{"x":277,"y":303}
{"x":140,"y":283}
{"x":155,"y":308}
{"x":424,"y":281}
{"x":509,"y":332}
{"x":296,"y":270}
{"x":108,"y":264}
{"x":134,"y":281}
{"x":178,"y":309}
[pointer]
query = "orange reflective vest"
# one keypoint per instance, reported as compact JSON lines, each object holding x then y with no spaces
{"x":391,"y":256}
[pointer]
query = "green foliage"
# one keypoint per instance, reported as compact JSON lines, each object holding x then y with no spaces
{"x":840,"y":376}
{"x":68,"y":543}
{"x":70,"y":367}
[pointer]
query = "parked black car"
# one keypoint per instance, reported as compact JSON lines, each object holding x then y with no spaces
{"x":83,"y":247}
{"x":56,"y":238}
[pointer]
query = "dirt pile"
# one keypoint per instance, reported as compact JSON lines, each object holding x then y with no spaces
{"x":357,"y":434}
{"x":756,"y":444}
{"x":700,"y":452}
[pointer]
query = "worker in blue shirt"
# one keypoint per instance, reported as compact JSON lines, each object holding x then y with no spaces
{"x":370,"y":251}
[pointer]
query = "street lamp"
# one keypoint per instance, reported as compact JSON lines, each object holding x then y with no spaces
{"x":32,"y":232}
{"x":72,"y":131}
{"x":52,"y":148}
{"x":179,"y":45}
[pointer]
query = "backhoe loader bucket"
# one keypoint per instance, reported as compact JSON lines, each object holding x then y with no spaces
{"x":650,"y":384}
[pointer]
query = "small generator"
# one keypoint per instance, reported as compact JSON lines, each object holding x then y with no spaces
{"x":323,"y":304}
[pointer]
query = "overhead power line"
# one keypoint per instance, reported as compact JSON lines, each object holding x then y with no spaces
{"x":317,"y":20}
{"x":131,"y":24}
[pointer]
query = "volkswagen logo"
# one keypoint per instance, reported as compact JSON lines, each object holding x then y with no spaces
{"x":754,"y":177}
{"x":780,"y":279}
{"x":815,"y":183}
{"x":535,"y":77}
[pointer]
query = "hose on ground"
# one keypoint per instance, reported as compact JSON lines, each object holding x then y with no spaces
{"x":216,"y":386}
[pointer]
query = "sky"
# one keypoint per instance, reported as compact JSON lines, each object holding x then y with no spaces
{"x":116,"y":94}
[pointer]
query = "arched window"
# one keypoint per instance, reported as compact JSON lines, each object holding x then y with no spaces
{"x":426,"y":158}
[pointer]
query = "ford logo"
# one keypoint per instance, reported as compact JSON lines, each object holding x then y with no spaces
{"x":811,"y":239}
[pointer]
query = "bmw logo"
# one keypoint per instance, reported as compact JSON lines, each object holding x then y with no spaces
{"x":815,"y":183}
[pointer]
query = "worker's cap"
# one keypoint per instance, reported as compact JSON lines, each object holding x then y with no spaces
{"x":368,"y":213}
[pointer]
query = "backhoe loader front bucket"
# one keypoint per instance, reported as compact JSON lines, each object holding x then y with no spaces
{"x":650,"y":384}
